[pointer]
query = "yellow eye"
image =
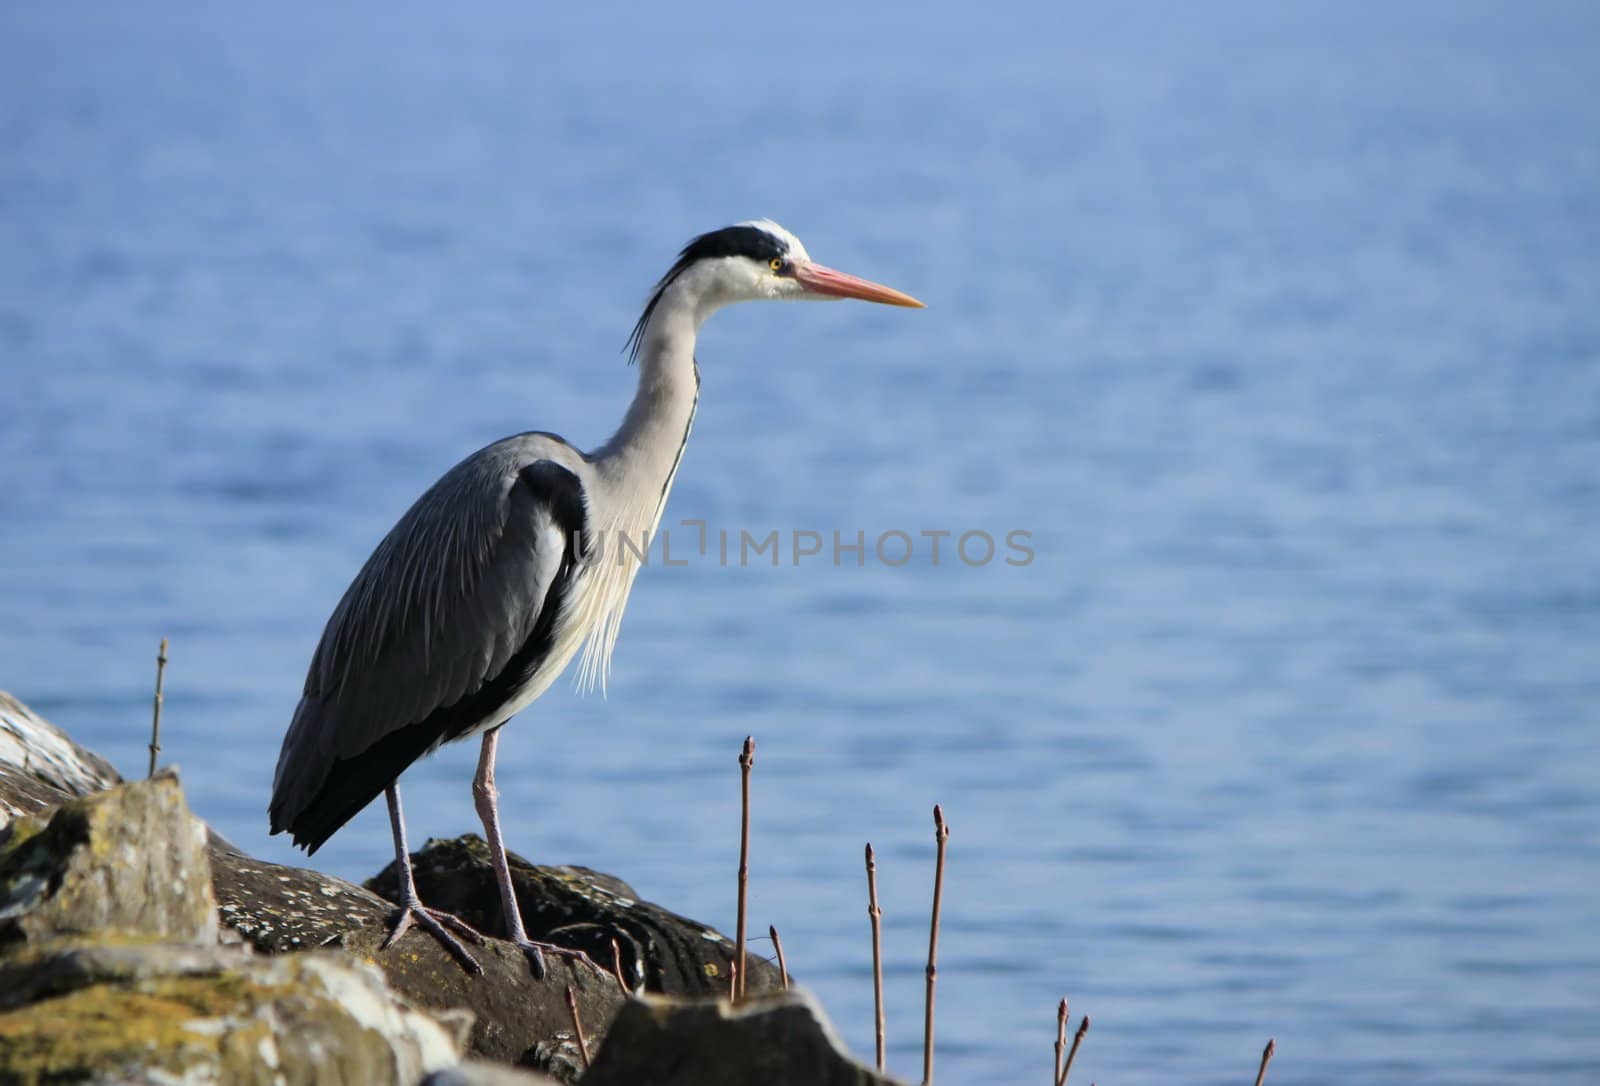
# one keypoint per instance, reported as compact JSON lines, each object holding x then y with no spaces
{"x":776,"y":263}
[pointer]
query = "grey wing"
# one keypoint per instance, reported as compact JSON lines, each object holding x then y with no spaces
{"x":450,"y":616}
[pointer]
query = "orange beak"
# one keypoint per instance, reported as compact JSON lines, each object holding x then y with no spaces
{"x":836,"y":284}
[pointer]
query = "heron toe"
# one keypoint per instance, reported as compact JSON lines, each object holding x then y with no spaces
{"x":535,"y":952}
{"x":535,"y":955}
{"x":434,"y":922}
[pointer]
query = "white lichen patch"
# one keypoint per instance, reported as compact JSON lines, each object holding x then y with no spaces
{"x":39,"y":749}
{"x":208,"y":1027}
{"x":22,"y":894}
{"x":359,"y":989}
{"x":267,"y":1051}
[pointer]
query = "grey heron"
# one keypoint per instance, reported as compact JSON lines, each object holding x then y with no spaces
{"x":490,"y":584}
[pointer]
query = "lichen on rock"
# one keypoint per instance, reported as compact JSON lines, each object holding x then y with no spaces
{"x":227,"y":1017}
{"x":777,"y":1039}
{"x":114,"y":968}
{"x":40,"y":765}
{"x":131,"y":859}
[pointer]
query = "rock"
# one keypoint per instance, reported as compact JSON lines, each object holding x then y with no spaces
{"x":130,"y":860}
{"x":112,"y":970}
{"x":517,"y":1020}
{"x":113,"y":967}
{"x":163,"y":1014}
{"x":779,"y":1039}
{"x":279,"y":909}
{"x":58,"y":966}
{"x":582,"y":909}
{"x":478,"y":1073}
{"x":39,"y":766}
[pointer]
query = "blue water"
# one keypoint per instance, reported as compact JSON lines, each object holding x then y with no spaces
{"x":1280,"y":334}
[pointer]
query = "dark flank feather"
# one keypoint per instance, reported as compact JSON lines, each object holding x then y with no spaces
{"x":396,"y":676}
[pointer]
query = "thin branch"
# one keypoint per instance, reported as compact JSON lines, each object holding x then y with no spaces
{"x":616,"y":966}
{"x":1072,"y":1053}
{"x":747,"y":758}
{"x":155,"y":715}
{"x":783,"y":970}
{"x":941,"y":834}
{"x":733,"y":982}
{"x":1266,"y":1058}
{"x":1061,"y":1039}
{"x":577,"y":1027}
{"x":875,"y":914}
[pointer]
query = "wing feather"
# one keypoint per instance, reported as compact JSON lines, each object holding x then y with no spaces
{"x":447,"y":603}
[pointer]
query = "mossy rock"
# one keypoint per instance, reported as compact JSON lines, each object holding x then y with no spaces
{"x":311,"y":1018}
{"x":131,"y":859}
{"x":777,"y":1039}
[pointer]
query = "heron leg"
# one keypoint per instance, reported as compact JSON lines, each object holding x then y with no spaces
{"x":412,"y":910}
{"x":486,"y":797}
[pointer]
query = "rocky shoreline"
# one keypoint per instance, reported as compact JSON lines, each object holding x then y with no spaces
{"x":136,"y":945}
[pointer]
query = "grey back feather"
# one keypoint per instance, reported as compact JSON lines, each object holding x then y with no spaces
{"x":441,"y":606}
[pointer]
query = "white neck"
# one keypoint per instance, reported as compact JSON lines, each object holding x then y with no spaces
{"x":637,"y":465}
{"x":644,"y":451}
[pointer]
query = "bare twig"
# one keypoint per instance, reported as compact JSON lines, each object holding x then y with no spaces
{"x":1072,"y":1053}
{"x":941,"y":834}
{"x":733,"y":982}
{"x":577,"y":1026}
{"x":747,"y":758}
{"x":1061,"y":1039}
{"x":875,"y":914}
{"x":1266,"y":1058}
{"x":783,"y":970}
{"x":616,"y":966}
{"x":155,"y":715}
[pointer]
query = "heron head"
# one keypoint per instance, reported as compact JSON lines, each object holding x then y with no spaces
{"x":758,"y":261}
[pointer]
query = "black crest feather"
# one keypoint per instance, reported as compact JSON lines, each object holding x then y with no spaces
{"x":741,"y":240}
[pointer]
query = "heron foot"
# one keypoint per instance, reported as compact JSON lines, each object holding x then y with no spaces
{"x":435,"y":922}
{"x":457,"y":925}
{"x":534,"y":952}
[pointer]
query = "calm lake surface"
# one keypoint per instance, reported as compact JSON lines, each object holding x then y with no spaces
{"x":1279,"y":334}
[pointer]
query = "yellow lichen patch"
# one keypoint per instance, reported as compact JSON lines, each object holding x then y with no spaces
{"x":19,"y":831}
{"x":28,"y":955}
{"x":250,"y":1048}
{"x":111,"y":938}
{"x":105,"y":1027}
{"x":170,"y":1022}
{"x":309,"y":1019}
